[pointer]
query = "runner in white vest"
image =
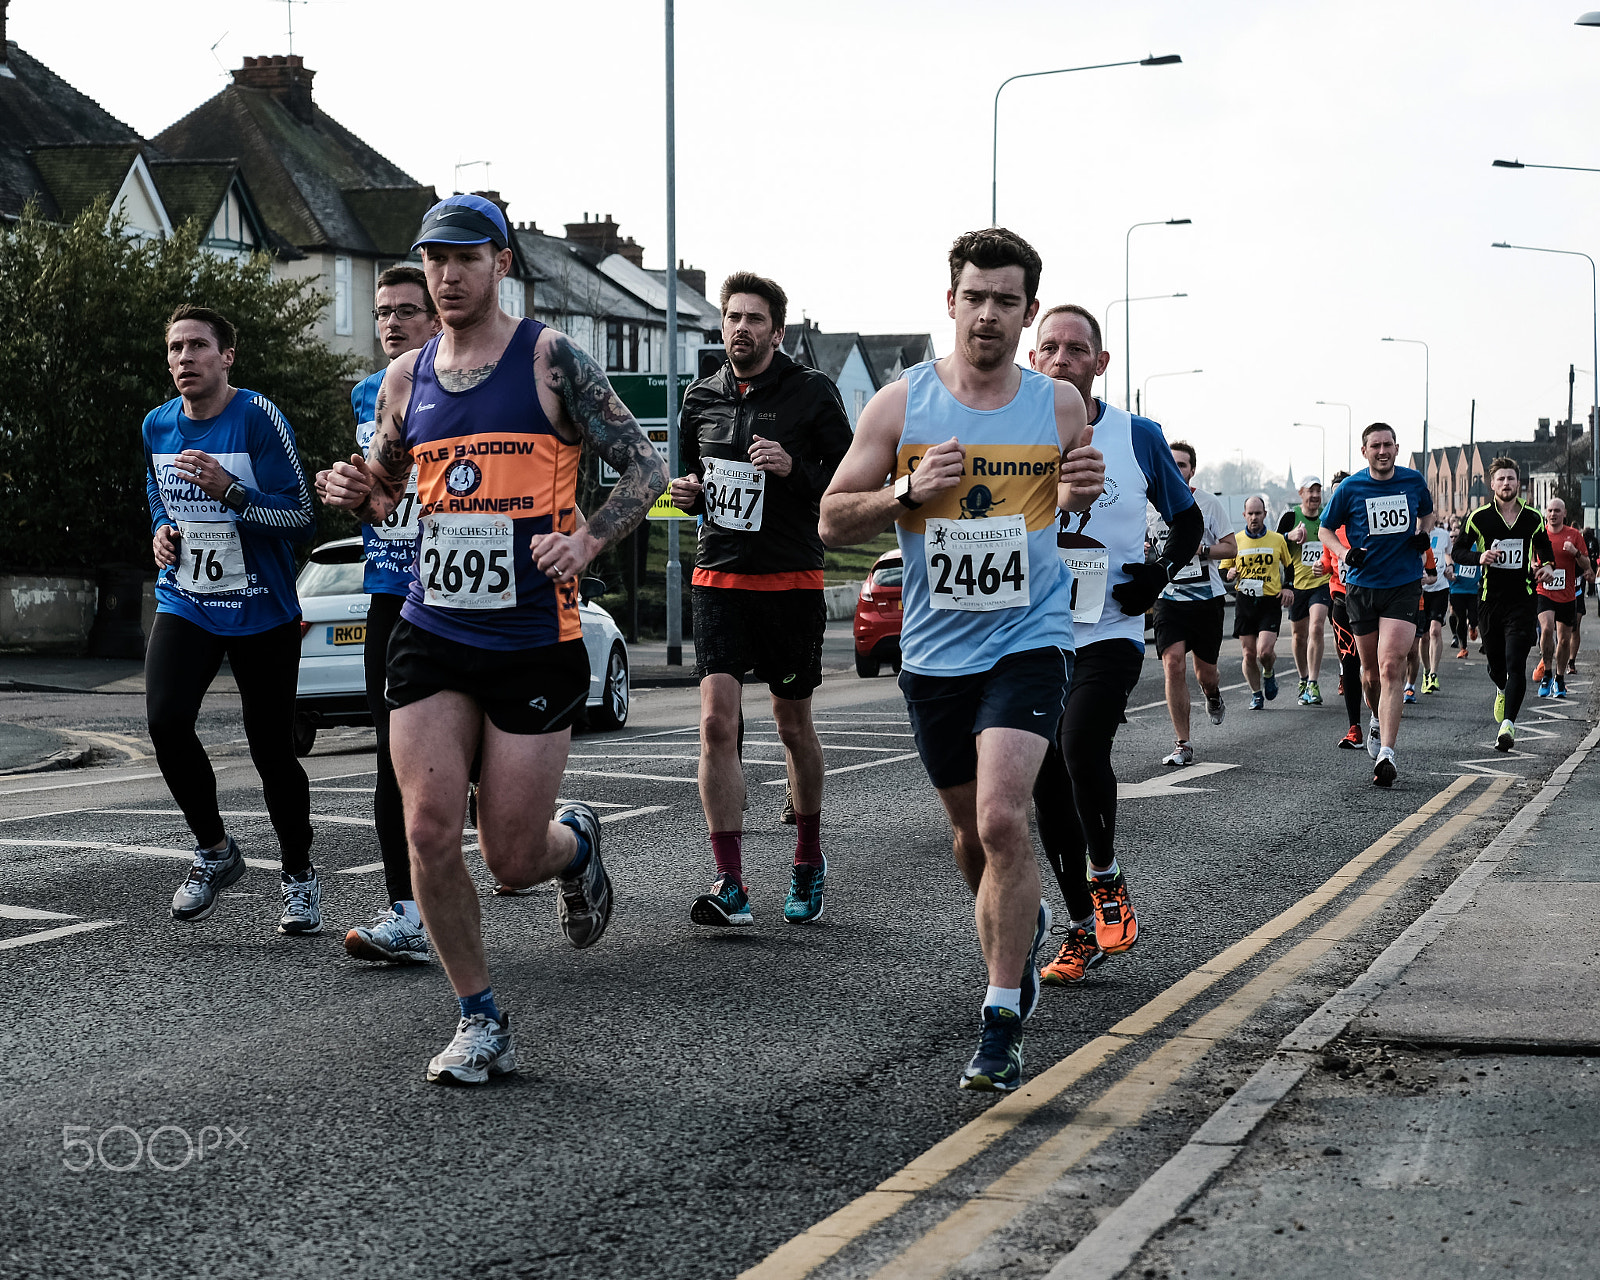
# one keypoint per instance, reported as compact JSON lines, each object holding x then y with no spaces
{"x":1075,"y":796}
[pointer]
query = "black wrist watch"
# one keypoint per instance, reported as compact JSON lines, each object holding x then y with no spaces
{"x":902,"y":493}
{"x":236,"y":499}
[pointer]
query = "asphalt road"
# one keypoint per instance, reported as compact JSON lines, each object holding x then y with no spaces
{"x":688,"y":1099}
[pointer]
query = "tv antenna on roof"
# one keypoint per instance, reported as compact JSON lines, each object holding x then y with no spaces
{"x":464,"y":164}
{"x":288,"y":7}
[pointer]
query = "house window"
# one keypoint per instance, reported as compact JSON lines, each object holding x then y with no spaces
{"x":861,"y":403}
{"x":343,"y":298}
{"x":622,"y":347}
{"x":512,"y":298}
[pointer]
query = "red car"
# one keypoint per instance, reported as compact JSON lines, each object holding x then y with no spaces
{"x":878,"y":615}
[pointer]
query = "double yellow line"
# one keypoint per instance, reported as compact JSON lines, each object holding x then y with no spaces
{"x":1129,"y":1099}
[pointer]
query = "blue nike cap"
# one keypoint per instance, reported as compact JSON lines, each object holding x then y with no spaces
{"x":465,"y":219}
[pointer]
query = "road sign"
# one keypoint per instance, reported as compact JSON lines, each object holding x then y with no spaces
{"x":645,"y":395}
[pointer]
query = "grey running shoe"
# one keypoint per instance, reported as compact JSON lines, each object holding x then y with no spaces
{"x":1182,"y":754}
{"x":1030,"y":972}
{"x":302,"y":904}
{"x":787,"y":816}
{"x":480,"y":1048}
{"x":1216,"y":708}
{"x":584,"y":904}
{"x":391,"y":937}
{"x":209,"y":874}
{"x":1374,"y":742}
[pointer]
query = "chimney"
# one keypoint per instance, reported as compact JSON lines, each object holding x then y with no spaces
{"x":1541,"y":433}
{"x":605,"y":238}
{"x":692,"y":278}
{"x":6,"y":71}
{"x":285,"y":79}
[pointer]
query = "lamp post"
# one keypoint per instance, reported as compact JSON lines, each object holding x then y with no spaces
{"x":1127,"y":324}
{"x":1165,"y":60}
{"x":674,"y":566}
{"x":1322,"y":431}
{"x":1594,"y":298}
{"x":1518,"y":164}
{"x":1144,"y":400}
{"x":1427,"y":385}
{"x":1118,"y":302}
{"x":1349,"y":418}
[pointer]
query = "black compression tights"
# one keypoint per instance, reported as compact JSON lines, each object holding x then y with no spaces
{"x":180,"y":663}
{"x":387,"y":813}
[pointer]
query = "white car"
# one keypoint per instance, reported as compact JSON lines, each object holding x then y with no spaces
{"x":333,"y":631}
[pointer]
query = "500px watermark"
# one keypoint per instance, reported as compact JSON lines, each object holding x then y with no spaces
{"x":120,"y":1149}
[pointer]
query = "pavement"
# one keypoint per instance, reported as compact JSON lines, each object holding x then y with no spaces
{"x":780,"y":1102}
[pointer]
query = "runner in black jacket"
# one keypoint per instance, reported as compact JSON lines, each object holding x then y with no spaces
{"x":760,"y":440}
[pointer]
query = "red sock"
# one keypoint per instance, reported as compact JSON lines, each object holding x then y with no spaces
{"x":808,"y":839}
{"x":727,"y":849}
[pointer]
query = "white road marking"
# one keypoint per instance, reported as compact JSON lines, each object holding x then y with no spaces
{"x":1151,"y":706}
{"x":851,"y":768}
{"x":634,"y":813}
{"x":335,"y":777}
{"x":149,"y":851}
{"x":32,"y":913}
{"x":87,"y":782}
{"x":1170,"y":783}
{"x":346,"y":791}
{"x":52,"y":813}
{"x":45,"y":935}
{"x":243,"y":813}
{"x":632,"y":777}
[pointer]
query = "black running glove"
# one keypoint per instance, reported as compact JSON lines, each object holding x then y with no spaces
{"x":1355,"y":557}
{"x":1419,"y":542}
{"x":1146,"y":581}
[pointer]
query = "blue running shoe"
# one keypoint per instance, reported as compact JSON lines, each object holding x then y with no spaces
{"x":1561,"y":689}
{"x":1411,"y":695}
{"x":806,"y":885}
{"x":1257,"y":702}
{"x":1269,"y":684}
{"x":583,"y":907}
{"x":1030,"y":973}
{"x":1546,"y":687}
{"x":209,"y":874}
{"x":726,"y":905}
{"x":997,"y":1065}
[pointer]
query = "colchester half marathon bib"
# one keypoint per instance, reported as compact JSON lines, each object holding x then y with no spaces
{"x":1311,"y":554}
{"x":1090,"y":566}
{"x":1558,"y":580}
{"x":467,"y":562}
{"x":211,"y":558}
{"x":1510,"y":550}
{"x":1389,"y":515}
{"x":977,"y":565}
{"x":1251,"y":587}
{"x":735,"y":494}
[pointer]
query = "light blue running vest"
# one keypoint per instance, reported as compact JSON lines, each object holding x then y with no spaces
{"x":992,"y":539}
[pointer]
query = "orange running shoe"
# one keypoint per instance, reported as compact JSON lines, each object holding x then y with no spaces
{"x":1461,"y":653}
{"x":1538,"y":672}
{"x":1078,"y":954}
{"x":1354,"y":740}
{"x":1116,"y":928}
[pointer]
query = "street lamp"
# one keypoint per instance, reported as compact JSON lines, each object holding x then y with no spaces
{"x":1127,"y":323}
{"x":1349,"y":429}
{"x":1165,"y":60}
{"x":1594,"y":293}
{"x":1322,"y":431}
{"x":1427,"y":383}
{"x":1518,"y":164}
{"x":1117,"y":302}
{"x":1144,"y":395}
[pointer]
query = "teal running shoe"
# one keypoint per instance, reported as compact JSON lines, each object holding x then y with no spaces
{"x":724,"y":907}
{"x":806,"y":886}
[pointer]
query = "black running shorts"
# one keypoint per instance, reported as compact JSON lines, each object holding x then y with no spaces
{"x":776,"y":634}
{"x":1368,"y":604}
{"x":1253,"y":614}
{"x":524,"y":691}
{"x":1435,"y":606}
{"x":1566,"y":611}
{"x":1026,"y":691}
{"x":1195,"y":624}
{"x":1303,"y":600}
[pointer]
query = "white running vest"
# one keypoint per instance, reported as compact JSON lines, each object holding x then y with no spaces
{"x":1096,"y":543}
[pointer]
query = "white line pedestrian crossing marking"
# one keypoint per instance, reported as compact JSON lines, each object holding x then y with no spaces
{"x":45,"y":935}
{"x":145,"y":850}
{"x":1170,"y":783}
{"x":32,"y":913}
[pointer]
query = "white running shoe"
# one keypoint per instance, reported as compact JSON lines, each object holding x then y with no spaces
{"x":1374,"y":742}
{"x":480,"y":1048}
{"x":1182,"y":754}
{"x":302,"y":904}
{"x":208,"y":876}
{"x":390,"y":937}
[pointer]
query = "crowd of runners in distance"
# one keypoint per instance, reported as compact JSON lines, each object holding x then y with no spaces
{"x":1024,"y":607}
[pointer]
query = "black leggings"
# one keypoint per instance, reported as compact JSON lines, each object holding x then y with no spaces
{"x":1463,"y":616}
{"x":1349,"y":657}
{"x":1508,"y":633}
{"x":1075,"y":795}
{"x":387,"y":814}
{"x":180,"y":663}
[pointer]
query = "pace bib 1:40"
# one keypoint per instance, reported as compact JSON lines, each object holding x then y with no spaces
{"x":735,"y":494}
{"x":977,"y":565}
{"x":211,"y":557}
{"x":467,"y":562}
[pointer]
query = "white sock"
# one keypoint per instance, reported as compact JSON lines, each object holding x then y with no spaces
{"x":1004,"y":998}
{"x":1110,"y":873}
{"x":408,"y":908}
{"x":1386,"y":753}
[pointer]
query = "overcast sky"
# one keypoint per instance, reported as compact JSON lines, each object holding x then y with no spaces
{"x":1334,"y":158}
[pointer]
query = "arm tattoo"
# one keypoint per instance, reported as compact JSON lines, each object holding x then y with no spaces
{"x":613,"y":433}
{"x":388,"y":451}
{"x":464,"y":379}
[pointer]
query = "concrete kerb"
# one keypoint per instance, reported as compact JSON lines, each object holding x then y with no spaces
{"x":1112,"y":1246}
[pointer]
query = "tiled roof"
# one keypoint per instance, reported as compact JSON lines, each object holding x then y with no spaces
{"x":40,"y":109}
{"x":74,"y":174}
{"x":884,"y":350}
{"x":569,"y":283}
